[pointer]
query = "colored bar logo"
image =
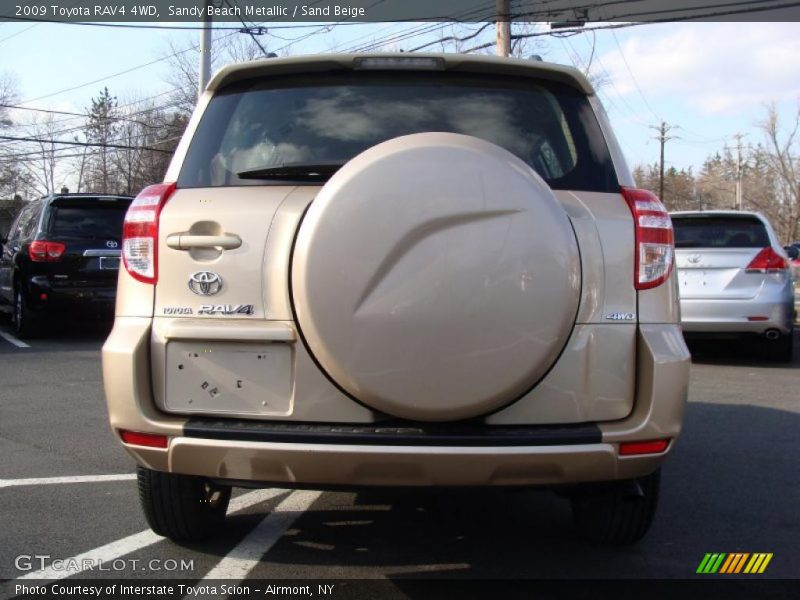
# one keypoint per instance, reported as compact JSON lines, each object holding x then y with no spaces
{"x":737,"y":562}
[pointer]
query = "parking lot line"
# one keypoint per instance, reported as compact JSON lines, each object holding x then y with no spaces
{"x":12,"y":340}
{"x":248,"y":553}
{"x":110,"y":552}
{"x":75,"y":479}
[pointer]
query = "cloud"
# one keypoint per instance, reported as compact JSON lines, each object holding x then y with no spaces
{"x":716,"y":68}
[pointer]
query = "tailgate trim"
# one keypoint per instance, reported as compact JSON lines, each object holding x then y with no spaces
{"x":218,"y":330}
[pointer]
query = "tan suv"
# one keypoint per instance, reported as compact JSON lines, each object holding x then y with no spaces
{"x":397,"y":270}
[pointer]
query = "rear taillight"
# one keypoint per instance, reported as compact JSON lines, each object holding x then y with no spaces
{"x":655,"y":243}
{"x":140,"y":232}
{"x":44,"y":251}
{"x":767,"y":261}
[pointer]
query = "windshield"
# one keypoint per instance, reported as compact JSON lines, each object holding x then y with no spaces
{"x":329,"y":119}
{"x":719,"y":232}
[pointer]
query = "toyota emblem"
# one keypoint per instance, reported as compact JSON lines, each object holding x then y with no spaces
{"x":111,"y":244}
{"x":205,"y":283}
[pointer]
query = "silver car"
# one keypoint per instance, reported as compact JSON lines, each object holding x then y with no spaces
{"x":734,"y":278}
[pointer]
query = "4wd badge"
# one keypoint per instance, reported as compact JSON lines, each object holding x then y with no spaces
{"x":621,"y":316}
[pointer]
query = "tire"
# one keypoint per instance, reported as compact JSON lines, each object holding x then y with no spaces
{"x":183,"y":508}
{"x":616,"y":513}
{"x":26,"y":323}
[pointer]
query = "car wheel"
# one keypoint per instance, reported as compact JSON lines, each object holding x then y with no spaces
{"x":616,"y":513}
{"x":183,"y":508}
{"x":26,"y":323}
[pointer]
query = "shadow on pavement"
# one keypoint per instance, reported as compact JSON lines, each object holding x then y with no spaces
{"x":730,"y":485}
{"x":744,"y":352}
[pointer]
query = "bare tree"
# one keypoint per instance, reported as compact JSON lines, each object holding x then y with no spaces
{"x":183,"y":72}
{"x":37,"y":161}
{"x":150,"y":135}
{"x":8,"y":96}
{"x":14,"y":178}
{"x":783,"y":156}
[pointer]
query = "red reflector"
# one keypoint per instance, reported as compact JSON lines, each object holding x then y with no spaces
{"x":42,"y":296}
{"x":757,"y":318}
{"x":143,"y":439}
{"x":654,"y":447}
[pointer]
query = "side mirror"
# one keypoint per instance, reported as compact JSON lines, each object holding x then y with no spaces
{"x":792,"y":251}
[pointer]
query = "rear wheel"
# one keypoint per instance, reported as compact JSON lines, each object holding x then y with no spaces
{"x":618,"y":512}
{"x":25,"y":321}
{"x":183,"y":508}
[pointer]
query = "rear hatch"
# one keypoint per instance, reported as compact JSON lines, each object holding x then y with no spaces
{"x":713,"y":252}
{"x":241,"y":244}
{"x":90,"y":228}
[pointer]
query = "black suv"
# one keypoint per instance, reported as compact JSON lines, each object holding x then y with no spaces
{"x":62,"y":252}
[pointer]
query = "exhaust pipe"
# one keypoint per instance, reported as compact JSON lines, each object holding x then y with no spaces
{"x":772,"y":334}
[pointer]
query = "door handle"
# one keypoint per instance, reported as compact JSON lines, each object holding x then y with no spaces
{"x":187,"y":241}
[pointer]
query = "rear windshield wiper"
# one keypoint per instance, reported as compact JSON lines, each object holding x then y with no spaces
{"x":294,"y":171}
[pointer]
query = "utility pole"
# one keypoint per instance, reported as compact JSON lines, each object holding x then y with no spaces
{"x":663,"y":138}
{"x":205,"y":53}
{"x":503,"y":27}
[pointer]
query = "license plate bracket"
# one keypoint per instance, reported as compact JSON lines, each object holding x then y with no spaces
{"x":230,"y":378}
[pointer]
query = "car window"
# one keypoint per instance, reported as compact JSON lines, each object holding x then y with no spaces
{"x":87,"y":222}
{"x":26,"y":223}
{"x":331,"y":118}
{"x":719,"y":232}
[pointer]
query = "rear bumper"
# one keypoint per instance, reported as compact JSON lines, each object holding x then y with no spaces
{"x":368,"y":465}
{"x":78,"y":295}
{"x":584,"y":454}
{"x":773,"y":311}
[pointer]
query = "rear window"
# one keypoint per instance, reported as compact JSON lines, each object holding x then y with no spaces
{"x":87,"y":221}
{"x":331,"y":118}
{"x":719,"y":232}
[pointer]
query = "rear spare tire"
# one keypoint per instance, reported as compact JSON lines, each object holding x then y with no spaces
{"x":435,"y":277}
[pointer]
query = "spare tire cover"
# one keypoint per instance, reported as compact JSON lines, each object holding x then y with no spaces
{"x":435,"y":277}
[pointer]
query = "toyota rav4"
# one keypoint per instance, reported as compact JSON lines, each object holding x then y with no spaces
{"x":393,"y":270}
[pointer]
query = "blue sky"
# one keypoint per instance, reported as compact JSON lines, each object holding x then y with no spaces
{"x":707,"y":80}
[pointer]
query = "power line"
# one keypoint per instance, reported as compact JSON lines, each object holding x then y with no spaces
{"x":135,"y":68}
{"x":248,"y":29}
{"x":633,"y":77}
{"x":693,"y":17}
{"x":85,"y":144}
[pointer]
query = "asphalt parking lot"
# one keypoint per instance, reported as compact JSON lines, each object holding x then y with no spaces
{"x":732,"y":485}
